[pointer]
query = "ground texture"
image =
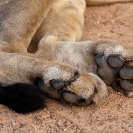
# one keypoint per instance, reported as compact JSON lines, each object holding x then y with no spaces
{"x":115,"y":115}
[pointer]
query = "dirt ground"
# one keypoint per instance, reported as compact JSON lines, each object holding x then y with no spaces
{"x":115,"y":115}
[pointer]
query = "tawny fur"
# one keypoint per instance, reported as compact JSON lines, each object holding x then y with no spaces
{"x":38,"y":36}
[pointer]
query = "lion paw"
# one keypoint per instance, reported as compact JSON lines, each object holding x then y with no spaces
{"x":84,"y":90}
{"x":116,"y":72}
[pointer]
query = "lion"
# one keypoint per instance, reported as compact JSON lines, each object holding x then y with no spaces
{"x":41,"y":53}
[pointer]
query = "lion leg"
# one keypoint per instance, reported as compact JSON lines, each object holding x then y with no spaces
{"x":56,"y":23}
{"x":114,"y":65}
{"x":67,"y":83}
{"x":57,"y":42}
{"x":18,"y":74}
{"x":19,"y":21}
{"x":18,"y":69}
{"x":106,"y":58}
{"x":52,"y":36}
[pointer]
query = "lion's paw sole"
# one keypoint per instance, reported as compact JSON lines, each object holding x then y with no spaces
{"x":116,"y":72}
{"x":88,"y":88}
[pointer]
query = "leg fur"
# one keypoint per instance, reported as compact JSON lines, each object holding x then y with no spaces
{"x":19,"y":21}
{"x":56,"y":23}
{"x":24,"y":68}
{"x":64,"y":48}
{"x":105,"y":58}
{"x":74,"y":85}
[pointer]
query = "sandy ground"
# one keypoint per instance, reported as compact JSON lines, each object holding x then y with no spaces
{"x":115,"y":115}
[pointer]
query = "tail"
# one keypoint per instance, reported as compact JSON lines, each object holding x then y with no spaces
{"x":22,"y":97}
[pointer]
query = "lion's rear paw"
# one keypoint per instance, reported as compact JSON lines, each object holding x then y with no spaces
{"x":84,"y":90}
{"x":116,"y":71}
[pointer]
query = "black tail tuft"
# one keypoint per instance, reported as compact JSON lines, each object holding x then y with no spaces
{"x":22,"y":97}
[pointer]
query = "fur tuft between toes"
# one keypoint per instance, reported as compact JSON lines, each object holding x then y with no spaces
{"x":22,"y":97}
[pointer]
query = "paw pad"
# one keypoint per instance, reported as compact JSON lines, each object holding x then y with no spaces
{"x":115,"y":71}
{"x":115,"y":61}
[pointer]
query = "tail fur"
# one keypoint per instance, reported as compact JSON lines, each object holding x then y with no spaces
{"x":22,"y":97}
